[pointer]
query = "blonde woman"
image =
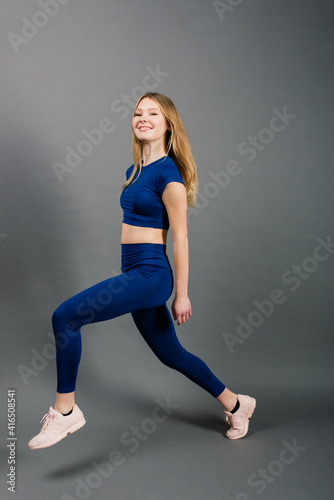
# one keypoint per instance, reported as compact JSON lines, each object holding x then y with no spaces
{"x":160,"y":185}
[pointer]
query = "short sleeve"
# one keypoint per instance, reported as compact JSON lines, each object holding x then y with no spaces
{"x":167,"y":173}
{"x":128,"y":172}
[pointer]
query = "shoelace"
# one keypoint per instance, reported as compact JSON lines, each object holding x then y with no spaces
{"x":47,"y":419}
{"x":229,"y":419}
{"x":232,"y":421}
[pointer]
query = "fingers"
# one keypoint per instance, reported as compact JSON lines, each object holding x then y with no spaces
{"x":181,"y":312}
{"x":183,"y":317}
{"x":174,"y":313}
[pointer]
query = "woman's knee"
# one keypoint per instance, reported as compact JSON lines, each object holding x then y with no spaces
{"x":59,"y":314}
{"x":56,"y":316}
{"x":63,"y":320}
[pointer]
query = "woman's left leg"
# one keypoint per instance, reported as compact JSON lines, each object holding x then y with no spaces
{"x":157,"y":328}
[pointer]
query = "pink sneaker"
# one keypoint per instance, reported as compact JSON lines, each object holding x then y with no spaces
{"x":56,"y":427}
{"x":239,"y":420}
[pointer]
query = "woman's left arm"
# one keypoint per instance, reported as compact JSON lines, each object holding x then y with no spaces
{"x":175,"y":200}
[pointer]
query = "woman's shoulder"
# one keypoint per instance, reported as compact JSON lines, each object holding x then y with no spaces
{"x":167,"y":162}
{"x":167,"y":172}
{"x":129,"y":171}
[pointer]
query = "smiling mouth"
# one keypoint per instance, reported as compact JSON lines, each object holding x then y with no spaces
{"x":144,"y":128}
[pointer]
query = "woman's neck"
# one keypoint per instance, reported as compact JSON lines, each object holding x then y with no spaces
{"x":150,"y":154}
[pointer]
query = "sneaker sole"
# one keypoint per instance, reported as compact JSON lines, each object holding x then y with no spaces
{"x":72,"y":429}
{"x":249,"y":415}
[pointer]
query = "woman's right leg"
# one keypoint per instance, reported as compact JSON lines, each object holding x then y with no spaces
{"x":96,"y":303}
{"x":130,"y":291}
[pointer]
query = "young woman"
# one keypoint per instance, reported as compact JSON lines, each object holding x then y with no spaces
{"x":160,"y":185}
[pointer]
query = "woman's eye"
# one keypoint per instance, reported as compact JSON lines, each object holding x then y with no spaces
{"x":138,"y":114}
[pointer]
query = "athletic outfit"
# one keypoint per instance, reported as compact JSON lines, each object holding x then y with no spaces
{"x":142,"y":289}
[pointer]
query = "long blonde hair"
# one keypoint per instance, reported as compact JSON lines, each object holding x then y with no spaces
{"x":177,"y":146}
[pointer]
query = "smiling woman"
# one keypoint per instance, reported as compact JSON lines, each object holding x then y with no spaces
{"x":149,"y":126}
{"x":159,"y":186}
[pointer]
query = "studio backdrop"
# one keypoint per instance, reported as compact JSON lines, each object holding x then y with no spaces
{"x":252,"y":81}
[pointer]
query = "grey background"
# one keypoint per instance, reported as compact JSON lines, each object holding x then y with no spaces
{"x":225,"y":74}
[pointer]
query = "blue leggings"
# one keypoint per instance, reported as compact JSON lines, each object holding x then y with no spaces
{"x":143,"y":288}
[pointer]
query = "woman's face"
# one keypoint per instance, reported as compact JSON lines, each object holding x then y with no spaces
{"x":149,"y":124}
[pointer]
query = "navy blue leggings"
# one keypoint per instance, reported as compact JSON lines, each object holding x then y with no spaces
{"x":142,"y":289}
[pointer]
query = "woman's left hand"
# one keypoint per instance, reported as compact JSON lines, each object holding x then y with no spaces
{"x":181,"y":309}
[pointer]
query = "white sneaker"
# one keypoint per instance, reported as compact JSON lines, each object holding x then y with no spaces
{"x":56,"y":427}
{"x":239,"y":421}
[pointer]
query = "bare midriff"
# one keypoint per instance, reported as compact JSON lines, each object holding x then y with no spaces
{"x":138,"y":234}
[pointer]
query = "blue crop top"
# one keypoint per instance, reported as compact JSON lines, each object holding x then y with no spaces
{"x":141,"y":200}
